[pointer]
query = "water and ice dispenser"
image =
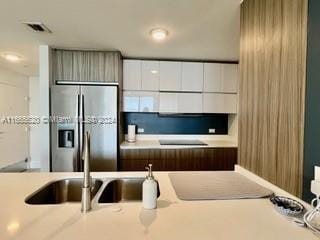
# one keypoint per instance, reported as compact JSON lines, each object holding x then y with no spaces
{"x":66,"y":136}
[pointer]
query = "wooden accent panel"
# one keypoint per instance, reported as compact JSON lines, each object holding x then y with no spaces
{"x":178,"y":159}
{"x":272,"y":90}
{"x":84,"y":66}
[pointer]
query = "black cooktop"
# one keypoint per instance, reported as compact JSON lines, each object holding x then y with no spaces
{"x":182,"y":142}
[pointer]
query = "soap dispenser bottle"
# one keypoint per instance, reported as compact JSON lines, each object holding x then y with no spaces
{"x":149,"y":190}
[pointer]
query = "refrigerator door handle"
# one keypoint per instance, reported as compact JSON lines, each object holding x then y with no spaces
{"x":81,"y":129}
{"x":76,"y":122}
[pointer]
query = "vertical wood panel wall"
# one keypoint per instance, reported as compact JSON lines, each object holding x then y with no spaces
{"x":272,"y":90}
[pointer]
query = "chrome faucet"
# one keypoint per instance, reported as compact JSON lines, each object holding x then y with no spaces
{"x":86,"y":188}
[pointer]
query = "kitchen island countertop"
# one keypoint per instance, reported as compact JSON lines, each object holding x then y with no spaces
{"x":174,"y":219}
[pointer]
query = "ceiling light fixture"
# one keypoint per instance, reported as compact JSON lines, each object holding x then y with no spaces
{"x":12,"y":57}
{"x":159,"y":34}
{"x":154,"y":71}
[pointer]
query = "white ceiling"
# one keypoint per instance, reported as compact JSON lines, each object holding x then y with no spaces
{"x":198,"y":29}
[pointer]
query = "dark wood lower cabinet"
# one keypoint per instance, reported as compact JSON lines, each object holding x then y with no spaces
{"x":199,"y":159}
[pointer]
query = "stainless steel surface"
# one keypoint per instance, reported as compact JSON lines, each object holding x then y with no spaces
{"x":86,"y":187}
{"x":85,"y":102}
{"x":101,"y":102}
{"x":62,"y":191}
{"x":123,"y":190}
{"x":86,"y":200}
{"x":87,"y":83}
{"x":64,"y":103}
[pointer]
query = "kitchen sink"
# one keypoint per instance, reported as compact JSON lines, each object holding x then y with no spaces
{"x":61,"y":191}
{"x":123,"y":190}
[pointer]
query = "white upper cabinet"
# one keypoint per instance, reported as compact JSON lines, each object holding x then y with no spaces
{"x":170,"y":76}
{"x":192,"y":77}
{"x":168,"y":103}
{"x":180,"y":103}
{"x":179,"y":87}
{"x":150,"y":76}
{"x":220,"y":78}
{"x":131,"y":75}
{"x":229,"y":78}
{"x":139,"y":101}
{"x":219,"y":103}
{"x":130,"y":101}
{"x":189,"y":103}
{"x":179,"y":76}
{"x":149,"y":102}
{"x":212,"y":77}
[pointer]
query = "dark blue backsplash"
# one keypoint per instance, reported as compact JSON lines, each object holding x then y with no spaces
{"x":312,"y":110}
{"x":154,"y":123}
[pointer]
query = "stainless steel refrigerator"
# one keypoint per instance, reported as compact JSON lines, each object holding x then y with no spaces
{"x":76,"y":109}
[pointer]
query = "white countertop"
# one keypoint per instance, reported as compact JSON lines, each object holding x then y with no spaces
{"x":174,"y":219}
{"x":152,"y":142}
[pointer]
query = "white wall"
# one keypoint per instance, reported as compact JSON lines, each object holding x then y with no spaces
{"x":44,"y":83}
{"x":34,"y":110}
{"x":14,"y":138}
{"x":39,"y":106}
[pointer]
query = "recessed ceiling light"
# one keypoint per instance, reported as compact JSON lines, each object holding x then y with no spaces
{"x":154,"y":71}
{"x":159,"y":34}
{"x":12,"y":57}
